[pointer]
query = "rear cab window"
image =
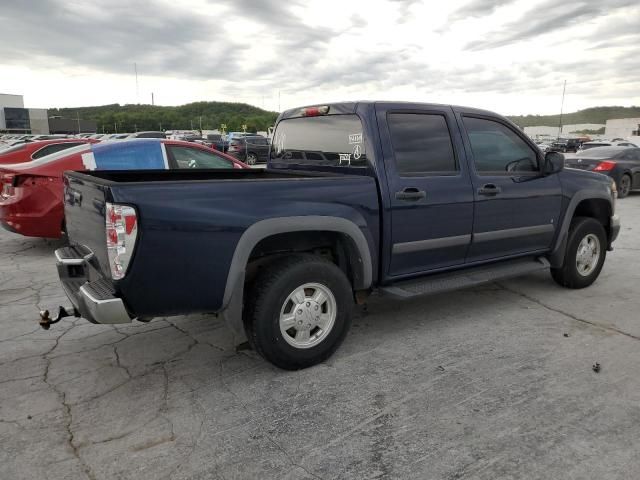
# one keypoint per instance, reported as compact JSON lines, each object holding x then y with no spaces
{"x":326,"y":140}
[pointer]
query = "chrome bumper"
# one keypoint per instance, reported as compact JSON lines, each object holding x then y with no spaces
{"x":90,"y":293}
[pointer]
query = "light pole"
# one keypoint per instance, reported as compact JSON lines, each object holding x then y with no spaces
{"x":561,"y":109}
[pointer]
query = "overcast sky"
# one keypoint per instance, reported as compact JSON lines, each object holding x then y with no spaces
{"x":503,"y":55}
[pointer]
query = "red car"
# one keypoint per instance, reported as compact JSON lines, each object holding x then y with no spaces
{"x":31,"y":193}
{"x":25,"y":152}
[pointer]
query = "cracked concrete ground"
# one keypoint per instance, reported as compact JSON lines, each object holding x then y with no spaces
{"x":480,"y":383}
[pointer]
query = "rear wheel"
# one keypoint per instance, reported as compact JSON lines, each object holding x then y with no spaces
{"x":585,"y":254}
{"x":298,"y":311}
{"x":624,"y":186}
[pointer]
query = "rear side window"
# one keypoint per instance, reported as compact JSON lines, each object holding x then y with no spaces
{"x":329,"y":140}
{"x":498,"y":149}
{"x":421,"y":143}
{"x":186,"y":157}
{"x":56,"y":147}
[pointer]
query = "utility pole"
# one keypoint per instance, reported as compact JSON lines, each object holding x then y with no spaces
{"x":201,"y":124}
{"x":115,"y":127}
{"x":78,"y":118}
{"x":152,"y":102}
{"x":561,"y":109}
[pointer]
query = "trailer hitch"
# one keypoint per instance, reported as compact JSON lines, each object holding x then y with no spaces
{"x":46,"y":321}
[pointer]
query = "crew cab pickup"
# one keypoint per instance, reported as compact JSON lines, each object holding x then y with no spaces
{"x":402,"y":199}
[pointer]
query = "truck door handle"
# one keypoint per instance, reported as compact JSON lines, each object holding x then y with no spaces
{"x":411,"y":193}
{"x":489,"y":189}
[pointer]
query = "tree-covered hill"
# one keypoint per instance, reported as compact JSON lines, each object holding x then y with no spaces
{"x":208,"y":115}
{"x":589,"y":115}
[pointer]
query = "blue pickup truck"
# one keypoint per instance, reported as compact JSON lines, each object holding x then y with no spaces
{"x":402,"y":199}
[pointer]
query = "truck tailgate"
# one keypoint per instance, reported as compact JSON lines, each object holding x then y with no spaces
{"x":84,"y":208}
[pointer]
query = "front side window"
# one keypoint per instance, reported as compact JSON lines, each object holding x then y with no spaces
{"x":498,"y":149}
{"x":187,"y":157}
{"x":421,"y":144}
{"x":327,"y":140}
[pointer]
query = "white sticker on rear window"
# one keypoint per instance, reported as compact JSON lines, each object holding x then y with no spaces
{"x":357,"y":152}
{"x":355,"y":138}
{"x":346,"y":158}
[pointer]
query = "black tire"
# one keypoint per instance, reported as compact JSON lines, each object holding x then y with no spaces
{"x":252,"y":158}
{"x":266,"y":298}
{"x":624,"y":186}
{"x":568,"y":275}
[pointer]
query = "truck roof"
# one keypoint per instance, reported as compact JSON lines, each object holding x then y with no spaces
{"x":351,"y":107}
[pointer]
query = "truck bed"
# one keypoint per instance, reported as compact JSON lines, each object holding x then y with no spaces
{"x":190,"y":223}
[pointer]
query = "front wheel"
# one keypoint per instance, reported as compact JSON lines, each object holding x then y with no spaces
{"x":298,"y":311}
{"x":585,"y":254}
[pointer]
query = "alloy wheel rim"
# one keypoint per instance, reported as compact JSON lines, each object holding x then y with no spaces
{"x":588,"y":255}
{"x":308,"y":315}
{"x":625,"y":185}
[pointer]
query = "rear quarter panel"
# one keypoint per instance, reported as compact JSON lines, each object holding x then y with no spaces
{"x":188,"y":231}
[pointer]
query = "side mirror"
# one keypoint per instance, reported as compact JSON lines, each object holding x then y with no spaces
{"x":553,"y":162}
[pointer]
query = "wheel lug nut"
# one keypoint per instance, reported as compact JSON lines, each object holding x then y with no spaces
{"x":299,"y":312}
{"x":316,"y":307}
{"x":308,"y":304}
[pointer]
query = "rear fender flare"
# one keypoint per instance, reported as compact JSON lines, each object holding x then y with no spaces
{"x":234,"y":289}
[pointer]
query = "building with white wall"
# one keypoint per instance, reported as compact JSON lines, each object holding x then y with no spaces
{"x":567,"y":130}
{"x":14,"y":118}
{"x":622,"y":128}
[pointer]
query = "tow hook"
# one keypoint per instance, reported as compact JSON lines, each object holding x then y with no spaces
{"x":46,"y":321}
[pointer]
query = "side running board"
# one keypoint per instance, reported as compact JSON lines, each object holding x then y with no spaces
{"x":469,"y":277}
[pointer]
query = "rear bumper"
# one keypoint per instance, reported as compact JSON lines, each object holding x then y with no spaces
{"x":92,"y":296}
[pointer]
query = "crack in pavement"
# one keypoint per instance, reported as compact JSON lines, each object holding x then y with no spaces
{"x":609,"y":328}
{"x":66,"y":406}
{"x":262,"y":430}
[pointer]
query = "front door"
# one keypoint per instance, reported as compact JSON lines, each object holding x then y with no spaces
{"x":517,"y":208}
{"x":431,"y":195}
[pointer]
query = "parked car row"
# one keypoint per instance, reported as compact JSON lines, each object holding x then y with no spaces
{"x":246,"y":147}
{"x":31,"y":190}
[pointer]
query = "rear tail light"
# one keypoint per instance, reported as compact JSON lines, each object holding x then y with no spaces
{"x":121,"y":231}
{"x":7,"y":185}
{"x":314,"y":111}
{"x":605,"y":166}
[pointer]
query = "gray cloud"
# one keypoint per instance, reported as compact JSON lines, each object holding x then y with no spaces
{"x":477,"y":8}
{"x":548,"y":17}
{"x":172,"y":42}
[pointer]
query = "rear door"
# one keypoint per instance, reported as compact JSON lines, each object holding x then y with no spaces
{"x":430,"y":189}
{"x":516,"y":207}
